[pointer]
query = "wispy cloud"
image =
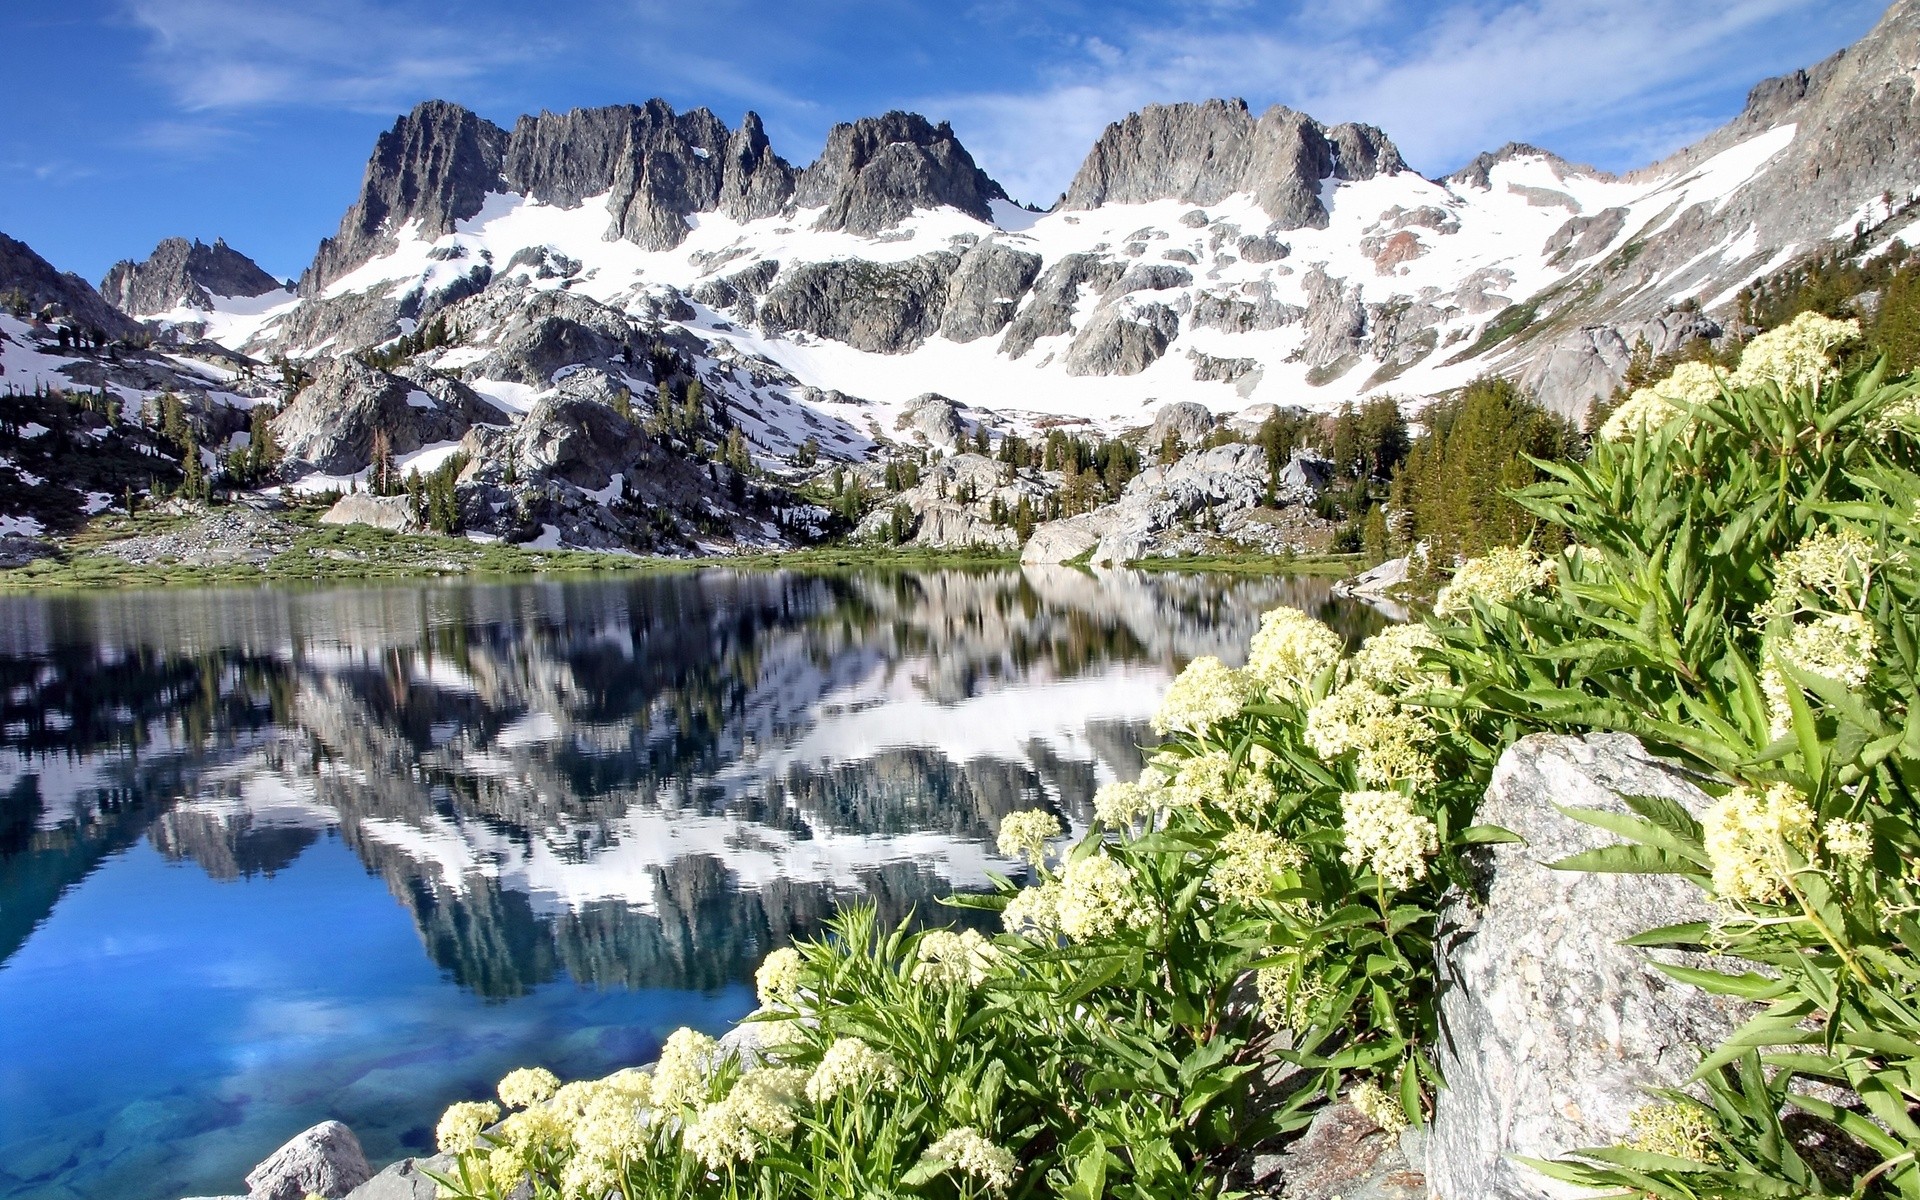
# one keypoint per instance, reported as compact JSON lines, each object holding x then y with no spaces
{"x":1444,"y":82}
{"x":241,"y":55}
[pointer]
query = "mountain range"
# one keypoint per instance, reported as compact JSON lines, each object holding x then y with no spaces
{"x":488,"y":283}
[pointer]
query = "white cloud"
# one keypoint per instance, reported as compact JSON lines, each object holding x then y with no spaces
{"x":235,"y":55}
{"x":1443,"y":82}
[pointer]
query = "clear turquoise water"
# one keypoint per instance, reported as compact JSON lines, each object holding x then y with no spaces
{"x":273,"y":857}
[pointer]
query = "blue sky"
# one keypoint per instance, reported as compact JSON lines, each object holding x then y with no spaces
{"x":133,"y":120}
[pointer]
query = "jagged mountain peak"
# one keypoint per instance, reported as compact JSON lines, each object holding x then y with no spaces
{"x":874,"y":172}
{"x":434,"y":168}
{"x":183,"y":274}
{"x":1201,"y":153}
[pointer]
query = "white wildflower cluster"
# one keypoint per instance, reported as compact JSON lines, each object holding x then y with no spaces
{"x":1205,"y":694}
{"x":1748,"y":833}
{"x":949,"y":959}
{"x":1097,"y":900}
{"x":1835,"y":565}
{"x":1290,"y":650}
{"x":851,"y":1065}
{"x":1690,"y":386}
{"x":991,"y":1165}
{"x":1849,"y":841}
{"x":531,"y":1135}
{"x":1092,"y":897}
{"x":1376,"y":1104}
{"x":527,"y":1086}
{"x":1209,"y":782}
{"x":1119,"y":805}
{"x":1675,"y":1130}
{"x":462,"y":1124}
{"x":1836,"y":646}
{"x":1387,"y":835}
{"x":1024,"y":834}
{"x":1288,"y":992}
{"x":1393,"y":659}
{"x":1386,"y":738}
{"x":1497,"y":577}
{"x":686,"y":1064}
{"x":758,"y":1109}
{"x":610,"y":1127}
{"x":1797,"y":355}
{"x":1249,"y":863}
{"x":778,"y":979}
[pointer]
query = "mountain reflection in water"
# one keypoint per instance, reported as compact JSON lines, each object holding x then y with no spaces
{"x":632,"y":785}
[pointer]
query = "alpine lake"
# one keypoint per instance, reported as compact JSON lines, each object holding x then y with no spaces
{"x":273,"y":856}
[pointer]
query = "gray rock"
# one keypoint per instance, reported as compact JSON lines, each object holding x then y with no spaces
{"x":1582,"y":237}
{"x":1343,"y":1155}
{"x":875,"y":172}
{"x":405,"y":1180}
{"x":393,"y":513}
{"x":1203,"y":153}
{"x":1382,"y":580}
{"x":1550,"y":1029}
{"x":885,"y":308}
{"x":182,"y":273}
{"x":1191,"y":422}
{"x":1212,"y":368}
{"x":1255,"y":307}
{"x":1336,"y":320}
{"x":18,"y":551}
{"x":1122,"y":339}
{"x":1150,"y":277}
{"x":986,"y":290}
{"x":537,"y":333}
{"x":1263,"y":249}
{"x":936,"y":419}
{"x":325,"y":1160}
{"x":330,"y":425}
{"x":1055,"y":295}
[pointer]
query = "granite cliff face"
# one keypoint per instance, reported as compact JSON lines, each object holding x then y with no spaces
{"x":1203,"y":153}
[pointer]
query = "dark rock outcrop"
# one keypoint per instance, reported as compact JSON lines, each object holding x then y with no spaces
{"x":1050,"y":312}
{"x":1122,"y":339}
{"x":886,"y":308}
{"x":1202,"y":153}
{"x":876,"y":171}
{"x":60,"y":294}
{"x":181,"y":273}
{"x":986,"y":290}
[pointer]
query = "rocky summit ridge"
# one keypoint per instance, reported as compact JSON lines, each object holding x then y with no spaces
{"x":1203,"y":255}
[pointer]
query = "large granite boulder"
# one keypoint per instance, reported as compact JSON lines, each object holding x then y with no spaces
{"x":330,"y":425}
{"x":405,"y":1180}
{"x":1551,"y":1030}
{"x":1187,"y":420}
{"x":934,"y":418}
{"x":325,"y":1160}
{"x":393,"y":513}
